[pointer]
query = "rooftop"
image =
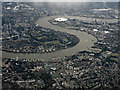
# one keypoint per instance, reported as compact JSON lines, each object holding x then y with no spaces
{"x":61,"y":19}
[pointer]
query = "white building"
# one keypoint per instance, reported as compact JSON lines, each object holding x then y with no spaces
{"x":61,"y":19}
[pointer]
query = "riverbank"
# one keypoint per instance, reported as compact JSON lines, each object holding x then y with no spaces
{"x":86,"y":41}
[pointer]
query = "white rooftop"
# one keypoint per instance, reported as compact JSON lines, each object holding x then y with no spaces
{"x":106,"y":31}
{"x":95,"y":30}
{"x":60,"y":19}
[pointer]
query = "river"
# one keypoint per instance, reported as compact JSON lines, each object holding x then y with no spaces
{"x":86,"y":41}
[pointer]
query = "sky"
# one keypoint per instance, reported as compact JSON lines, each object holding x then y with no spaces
{"x":60,"y":0}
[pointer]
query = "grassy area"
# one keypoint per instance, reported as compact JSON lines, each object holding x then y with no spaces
{"x":114,"y":59}
{"x":115,"y":54}
{"x":52,"y":42}
{"x":41,"y":37}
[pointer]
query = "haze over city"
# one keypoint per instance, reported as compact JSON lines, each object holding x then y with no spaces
{"x":59,"y":45}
